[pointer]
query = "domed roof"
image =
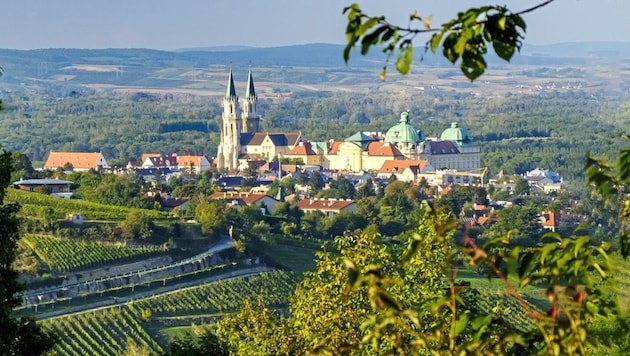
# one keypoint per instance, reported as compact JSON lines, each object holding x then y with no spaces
{"x":404,"y":132}
{"x":455,"y":133}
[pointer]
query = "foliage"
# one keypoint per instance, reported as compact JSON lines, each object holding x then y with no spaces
{"x":113,"y":189}
{"x":136,"y":226}
{"x":20,"y":336}
{"x":205,"y":344}
{"x":212,"y":215}
{"x":464,"y":39}
{"x":334,"y":321}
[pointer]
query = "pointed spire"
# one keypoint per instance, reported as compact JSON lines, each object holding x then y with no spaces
{"x":250,"y":93}
{"x":231,"y":90}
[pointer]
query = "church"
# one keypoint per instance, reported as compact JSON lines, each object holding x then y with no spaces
{"x":242,"y":141}
{"x":241,"y":138}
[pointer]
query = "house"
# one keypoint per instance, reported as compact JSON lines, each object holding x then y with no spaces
{"x":56,"y":187}
{"x":329,"y":207}
{"x":404,"y":170}
{"x":196,"y":164}
{"x":159,"y":161}
{"x":450,"y":177}
{"x":169,"y":203}
{"x":305,"y":152}
{"x":80,"y":161}
{"x":548,"y":220}
{"x":237,"y":199}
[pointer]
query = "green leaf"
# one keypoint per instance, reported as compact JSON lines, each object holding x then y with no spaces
{"x":371,"y":39}
{"x":403,"y":63}
{"x":435,"y":40}
{"x":461,"y":322}
{"x":473,"y":67}
{"x":504,"y":50}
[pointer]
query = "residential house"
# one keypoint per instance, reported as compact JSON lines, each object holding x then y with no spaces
{"x":404,"y":170}
{"x":329,"y":207}
{"x":548,"y":220}
{"x":196,"y":164}
{"x":159,"y":161}
{"x":237,"y":199}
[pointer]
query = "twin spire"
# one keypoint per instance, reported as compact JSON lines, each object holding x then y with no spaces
{"x":250,"y":93}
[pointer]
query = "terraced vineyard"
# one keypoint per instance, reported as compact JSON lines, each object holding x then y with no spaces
{"x":64,"y":255}
{"x":105,"y":331}
{"x":224,"y":296}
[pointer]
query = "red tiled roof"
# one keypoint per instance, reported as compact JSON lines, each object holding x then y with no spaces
{"x":334,"y":147}
{"x":302,"y":149}
{"x":549,"y":219}
{"x":383,"y":149}
{"x":190,"y":161}
{"x":79,"y":160}
{"x":482,"y":220}
{"x":324,"y":204}
{"x":396,"y":165}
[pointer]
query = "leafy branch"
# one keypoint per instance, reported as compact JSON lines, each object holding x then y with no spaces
{"x":464,"y":40}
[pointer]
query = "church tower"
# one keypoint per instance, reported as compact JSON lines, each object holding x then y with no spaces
{"x":250,"y":117}
{"x":229,"y":147}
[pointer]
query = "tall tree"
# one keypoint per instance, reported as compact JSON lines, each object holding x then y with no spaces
{"x":19,"y":336}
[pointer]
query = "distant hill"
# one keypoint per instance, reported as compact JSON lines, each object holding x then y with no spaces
{"x":148,"y":67}
{"x":214,"y":49}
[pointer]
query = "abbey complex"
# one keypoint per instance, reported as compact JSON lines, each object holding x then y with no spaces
{"x":242,"y":141}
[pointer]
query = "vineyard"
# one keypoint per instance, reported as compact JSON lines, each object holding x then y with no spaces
{"x":64,"y":255}
{"x":105,"y":331}
{"x":102,"y":332}
{"x":32,"y":204}
{"x":223,"y":296}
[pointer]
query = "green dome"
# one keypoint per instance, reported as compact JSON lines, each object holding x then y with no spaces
{"x":404,"y":132}
{"x":455,"y":133}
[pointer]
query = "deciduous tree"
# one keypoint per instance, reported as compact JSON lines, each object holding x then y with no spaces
{"x":19,"y":336}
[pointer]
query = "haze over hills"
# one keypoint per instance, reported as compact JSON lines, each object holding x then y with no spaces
{"x":127,"y":65}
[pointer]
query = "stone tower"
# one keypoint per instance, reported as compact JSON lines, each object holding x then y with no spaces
{"x":229,"y":147}
{"x":250,"y":117}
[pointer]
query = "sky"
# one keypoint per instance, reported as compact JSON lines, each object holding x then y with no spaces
{"x":174,"y":24}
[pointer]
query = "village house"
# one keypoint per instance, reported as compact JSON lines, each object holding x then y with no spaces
{"x":238,"y":199}
{"x":404,"y":170}
{"x":329,"y":207}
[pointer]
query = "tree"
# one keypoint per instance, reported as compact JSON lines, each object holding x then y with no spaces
{"x":464,"y":40}
{"x":323,"y":313}
{"x":19,"y":336}
{"x":136,"y":225}
{"x":22,"y":167}
{"x":521,"y":186}
{"x":212,"y":216}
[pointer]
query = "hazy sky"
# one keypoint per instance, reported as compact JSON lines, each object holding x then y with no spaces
{"x":172,"y":24}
